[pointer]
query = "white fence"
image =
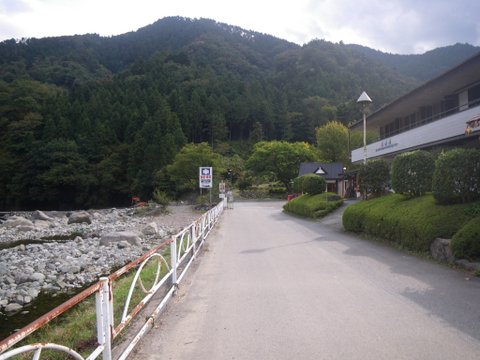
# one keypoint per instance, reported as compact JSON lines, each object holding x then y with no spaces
{"x":183,"y":247}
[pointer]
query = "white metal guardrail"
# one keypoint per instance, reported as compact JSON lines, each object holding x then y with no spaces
{"x":183,"y":247}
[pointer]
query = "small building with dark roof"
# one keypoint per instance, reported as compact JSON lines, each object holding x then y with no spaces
{"x":333,"y":173}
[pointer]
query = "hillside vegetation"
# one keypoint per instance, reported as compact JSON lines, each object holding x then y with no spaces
{"x":88,"y":120}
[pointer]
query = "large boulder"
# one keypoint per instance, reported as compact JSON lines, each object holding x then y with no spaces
{"x":42,"y":224}
{"x":150,"y":229}
{"x":79,"y":217}
{"x":40,"y":215}
{"x":115,"y":237}
{"x":14,"y":221}
{"x":441,"y":251}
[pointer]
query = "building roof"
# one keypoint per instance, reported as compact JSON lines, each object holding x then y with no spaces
{"x":329,"y":171}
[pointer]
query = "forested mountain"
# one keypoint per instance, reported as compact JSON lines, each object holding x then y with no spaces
{"x":88,"y":120}
{"x":423,"y":66}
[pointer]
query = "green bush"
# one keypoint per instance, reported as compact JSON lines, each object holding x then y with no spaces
{"x":374,"y":176}
{"x":276,"y":188}
{"x":457,"y":176}
{"x":298,"y":185}
{"x":412,"y":223}
{"x":312,"y":206}
{"x":466,"y":242}
{"x":161,"y":197}
{"x":244,"y":181}
{"x":412,"y":173}
{"x":313,"y":184}
{"x":254,"y":194}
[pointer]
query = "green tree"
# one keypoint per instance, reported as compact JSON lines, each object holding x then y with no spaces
{"x":280,"y":158}
{"x":332,"y":142}
{"x":183,"y":172}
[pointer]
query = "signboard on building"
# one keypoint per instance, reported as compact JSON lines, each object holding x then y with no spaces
{"x":205,"y":177}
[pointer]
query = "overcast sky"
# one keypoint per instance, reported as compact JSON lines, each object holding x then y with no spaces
{"x":397,"y":26}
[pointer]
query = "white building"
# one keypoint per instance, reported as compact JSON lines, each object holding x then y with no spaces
{"x":442,"y":113}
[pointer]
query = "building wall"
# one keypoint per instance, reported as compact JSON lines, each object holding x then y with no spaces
{"x":449,"y":128}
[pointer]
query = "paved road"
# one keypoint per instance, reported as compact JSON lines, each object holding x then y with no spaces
{"x":271,"y":286}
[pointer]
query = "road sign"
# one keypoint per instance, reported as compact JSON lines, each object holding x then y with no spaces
{"x":205,"y":177}
{"x":221,"y":187}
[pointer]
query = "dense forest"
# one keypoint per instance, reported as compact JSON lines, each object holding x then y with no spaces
{"x":87,"y":121}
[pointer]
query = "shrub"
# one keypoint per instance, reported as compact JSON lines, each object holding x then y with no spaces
{"x":374,"y":176}
{"x":457,"y":176}
{"x":313,"y":206}
{"x":412,"y":173}
{"x":161,"y":198}
{"x":298,"y":185}
{"x":466,"y":242}
{"x":244,"y":182}
{"x":412,"y":223}
{"x":313,"y":184}
{"x":254,"y":193}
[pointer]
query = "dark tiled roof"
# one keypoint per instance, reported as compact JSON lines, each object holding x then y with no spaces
{"x":333,"y":171}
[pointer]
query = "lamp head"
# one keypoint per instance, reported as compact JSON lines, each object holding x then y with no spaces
{"x":364,"y":99}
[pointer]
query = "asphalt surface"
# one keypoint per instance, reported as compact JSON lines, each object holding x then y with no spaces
{"x":273,"y":286}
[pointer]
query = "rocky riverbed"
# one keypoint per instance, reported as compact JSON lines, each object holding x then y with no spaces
{"x":54,"y":252}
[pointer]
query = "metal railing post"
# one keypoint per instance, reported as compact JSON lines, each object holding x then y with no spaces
{"x":194,"y":239}
{"x":104,"y":318}
{"x":173,"y":260}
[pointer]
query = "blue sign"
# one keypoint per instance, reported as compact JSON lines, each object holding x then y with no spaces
{"x":205,"y":177}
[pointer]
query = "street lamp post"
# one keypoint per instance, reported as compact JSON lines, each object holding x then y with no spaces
{"x":364,"y":100}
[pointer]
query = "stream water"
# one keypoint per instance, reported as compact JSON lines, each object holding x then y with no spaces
{"x":42,"y":304}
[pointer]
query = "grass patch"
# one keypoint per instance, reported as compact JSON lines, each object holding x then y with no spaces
{"x":76,"y":328}
{"x":313,"y":206}
{"x":410,"y":223}
{"x":466,"y":242}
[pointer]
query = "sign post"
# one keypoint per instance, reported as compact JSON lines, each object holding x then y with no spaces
{"x":205,"y":179}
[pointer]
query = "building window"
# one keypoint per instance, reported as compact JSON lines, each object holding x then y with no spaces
{"x":426,"y":113}
{"x":474,"y":95}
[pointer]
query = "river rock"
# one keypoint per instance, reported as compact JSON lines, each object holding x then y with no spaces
{"x":114,"y":237}
{"x":40,"y":215}
{"x":37,"y":263}
{"x":3,"y":269}
{"x":12,"y":307}
{"x":25,"y":228}
{"x":150,"y":229}
{"x":15,"y":221}
{"x":38,"y":277}
{"x":79,"y":217}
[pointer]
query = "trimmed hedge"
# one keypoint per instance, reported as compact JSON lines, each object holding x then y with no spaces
{"x":412,"y":173}
{"x":374,"y":176}
{"x":313,"y":206}
{"x":314,"y":184}
{"x":298,"y":185}
{"x":457,"y":176}
{"x":466,"y":242}
{"x":311,"y":184}
{"x":412,"y":223}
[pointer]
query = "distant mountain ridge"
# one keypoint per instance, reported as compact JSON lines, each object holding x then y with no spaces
{"x":425,"y":66}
